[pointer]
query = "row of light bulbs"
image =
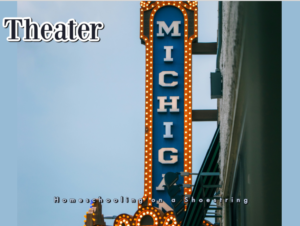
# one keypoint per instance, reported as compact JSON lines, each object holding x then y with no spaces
{"x":145,"y":4}
{"x":159,"y":218}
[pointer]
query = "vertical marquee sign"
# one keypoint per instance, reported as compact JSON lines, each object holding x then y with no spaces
{"x":167,"y":29}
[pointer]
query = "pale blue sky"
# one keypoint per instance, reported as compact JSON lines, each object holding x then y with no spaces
{"x":290,"y":111}
{"x":8,"y":122}
{"x":72,"y":114}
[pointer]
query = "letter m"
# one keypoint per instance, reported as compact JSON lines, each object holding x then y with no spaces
{"x":174,"y":26}
{"x":72,"y":200}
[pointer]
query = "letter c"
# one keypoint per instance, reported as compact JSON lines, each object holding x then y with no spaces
{"x":162,"y":78}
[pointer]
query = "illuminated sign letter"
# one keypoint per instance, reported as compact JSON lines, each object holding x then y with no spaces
{"x":168,"y":133}
{"x":162,"y":183}
{"x":174,"y":158}
{"x":173,"y":103}
{"x":162,"y":78}
{"x":164,"y":206}
{"x":162,"y":25}
{"x":168,"y":53}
